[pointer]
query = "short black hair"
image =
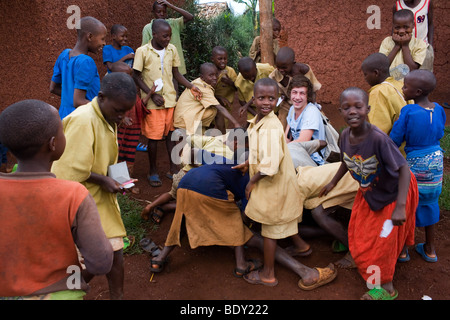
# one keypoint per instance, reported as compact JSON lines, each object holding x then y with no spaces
{"x":115,"y":29}
{"x":285,"y":54}
{"x":356,"y":90}
{"x":404,"y":13}
{"x":158,"y":24}
{"x":425,"y":80}
{"x":26,"y":126}
{"x":206,"y":66}
{"x":218,"y":49}
{"x":118,"y":84}
{"x":377,"y":61}
{"x":89,"y":25}
{"x":266,"y":82}
{"x":155,"y":4}
{"x":246,"y":64}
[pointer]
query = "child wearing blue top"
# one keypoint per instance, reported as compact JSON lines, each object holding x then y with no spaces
{"x":118,"y":51}
{"x":75,"y":76}
{"x":423,"y":152}
{"x":304,"y":120}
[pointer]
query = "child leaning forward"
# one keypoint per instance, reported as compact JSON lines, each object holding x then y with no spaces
{"x":383,"y":215}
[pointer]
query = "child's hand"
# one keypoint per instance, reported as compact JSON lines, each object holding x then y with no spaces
{"x":145,"y":214}
{"x":249,"y":188}
{"x":325,"y":190}
{"x":110,"y":185}
{"x":127,"y":121}
{"x":402,"y":40}
{"x":398,"y":216}
{"x":196,"y":93}
{"x":158,"y":99}
{"x":243,"y":167}
{"x":129,"y":56}
{"x":227,"y":81}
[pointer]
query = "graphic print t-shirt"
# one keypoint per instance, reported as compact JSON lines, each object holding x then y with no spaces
{"x":374,"y":163}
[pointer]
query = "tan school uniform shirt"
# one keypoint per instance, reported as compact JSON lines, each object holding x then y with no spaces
{"x":276,"y":198}
{"x":245,"y":87}
{"x":91,"y":146}
{"x":418,"y":49}
{"x":148,"y":62}
{"x":224,"y":90}
{"x":190,"y":113}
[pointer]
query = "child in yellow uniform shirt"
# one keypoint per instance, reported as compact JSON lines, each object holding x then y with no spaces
{"x":273,"y":193}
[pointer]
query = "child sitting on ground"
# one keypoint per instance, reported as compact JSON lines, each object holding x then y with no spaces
{"x":249,"y":73}
{"x":58,"y":213}
{"x":402,"y":47}
{"x":75,"y":76}
{"x":118,"y":51}
{"x":195,"y":116}
{"x":225,"y":89}
{"x":287,"y":68}
{"x":382,"y":220}
{"x":91,"y":133}
{"x":423,"y":153}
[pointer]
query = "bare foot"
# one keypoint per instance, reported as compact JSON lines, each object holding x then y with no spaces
{"x":346,"y":262}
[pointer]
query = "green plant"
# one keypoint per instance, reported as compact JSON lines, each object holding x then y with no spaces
{"x":130,"y":210}
{"x":444,"y":199}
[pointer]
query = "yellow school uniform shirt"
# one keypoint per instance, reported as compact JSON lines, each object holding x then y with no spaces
{"x":386,"y":100}
{"x":245,"y":87}
{"x":255,"y":49}
{"x":190,"y":113}
{"x":147,"y":60}
{"x":224,"y":90}
{"x":91,"y":146}
{"x":276,"y":198}
{"x":418,"y":49}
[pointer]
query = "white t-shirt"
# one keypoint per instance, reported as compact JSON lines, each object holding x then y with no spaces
{"x":161,"y":56}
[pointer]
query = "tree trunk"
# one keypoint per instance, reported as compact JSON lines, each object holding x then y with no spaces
{"x":266,"y":31}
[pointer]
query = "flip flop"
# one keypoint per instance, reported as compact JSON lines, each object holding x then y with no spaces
{"x":381,"y":294}
{"x":160,"y":264}
{"x":338,"y":247}
{"x":128,"y":242}
{"x":291,"y":251}
{"x":149,"y":246}
{"x":169,"y":176}
{"x":253,"y":265}
{"x":142,"y":147}
{"x":254,"y":278}
{"x":421,"y":250}
{"x":154,"y":180}
{"x":157,"y":217}
{"x":404,"y":259}
{"x":326,"y":275}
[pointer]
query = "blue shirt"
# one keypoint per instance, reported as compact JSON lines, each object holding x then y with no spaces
{"x":213,"y":180}
{"x":79,"y":72}
{"x":111,"y":54}
{"x":421,"y":129}
{"x":309,"y":119}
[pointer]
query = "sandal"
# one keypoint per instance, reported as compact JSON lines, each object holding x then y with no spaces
{"x":160,"y":264}
{"x":421,"y":250}
{"x":254,"y":278}
{"x":154,"y":180}
{"x":149,"y":246}
{"x":380,"y":294}
{"x":156,"y":217}
{"x":326,"y":275}
{"x":252,"y":265}
{"x":128,"y":242}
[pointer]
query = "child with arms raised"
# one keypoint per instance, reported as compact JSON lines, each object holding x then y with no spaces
{"x":382,"y":220}
{"x":37,"y":208}
{"x":423,"y":152}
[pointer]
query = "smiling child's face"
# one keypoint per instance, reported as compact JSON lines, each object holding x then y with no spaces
{"x":265,"y":99}
{"x":354,"y":109}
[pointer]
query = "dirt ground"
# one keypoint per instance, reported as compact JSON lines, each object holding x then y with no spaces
{"x":206,"y":273}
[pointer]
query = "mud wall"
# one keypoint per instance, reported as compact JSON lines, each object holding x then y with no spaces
{"x":34,"y":32}
{"x":333,"y":38}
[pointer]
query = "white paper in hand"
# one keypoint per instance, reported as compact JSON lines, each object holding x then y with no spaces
{"x":280,"y":100}
{"x":159,"y":84}
{"x":387,"y":228}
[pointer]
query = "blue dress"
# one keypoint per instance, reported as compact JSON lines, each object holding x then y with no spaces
{"x":111,"y":54}
{"x":422,"y":130}
{"x":79,"y":72}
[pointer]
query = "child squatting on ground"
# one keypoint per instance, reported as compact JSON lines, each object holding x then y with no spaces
{"x":43,"y":218}
{"x":383,"y":214}
{"x":423,"y":152}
